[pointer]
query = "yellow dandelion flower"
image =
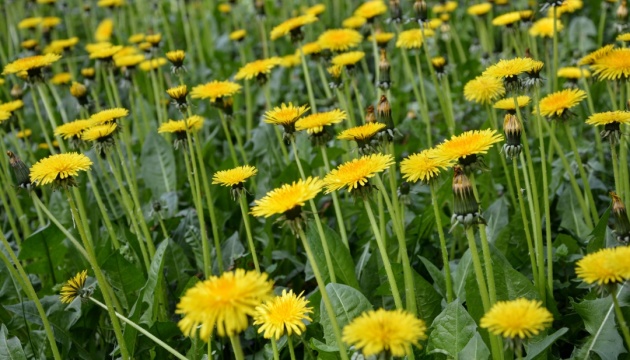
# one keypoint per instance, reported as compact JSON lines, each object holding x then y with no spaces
{"x":348,"y":58}
{"x":382,"y":37}
{"x":126,"y":51}
{"x":78,"y":90}
{"x":287,"y":197}
{"x":573,"y":72}
{"x":73,"y":288}
{"x":192,"y":124}
{"x":339,"y":39}
{"x":152,"y":64}
{"x":557,"y":103}
{"x":371,"y":9}
{"x":285,"y":115}
{"x":225,"y":8}
{"x":145,"y":46}
{"x":215,"y":90}
{"x":225,"y":302}
{"x":178,"y":92}
{"x":153,"y":39}
{"x":31,"y":64}
{"x":88,"y":73}
{"x":479,"y":9}
{"x":424,"y":166}
{"x":238,"y":35}
{"x":291,"y":60}
{"x":484,"y":89}
{"x":283,"y":314}
{"x":24,"y":133}
{"x":29,"y":44}
{"x":90,"y":48}
{"x":354,"y":22}
{"x":469,"y":143}
{"x":104,"y":30}
{"x":73,"y":129}
{"x":4,"y":115}
{"x":609,"y":117}
{"x":385,"y":331}
{"x":614,"y":65}
{"x":509,"y":69}
{"x":311,"y":48}
{"x":607,"y":266}
{"x":50,"y":21}
{"x":11,"y":106}
{"x":521,"y":318}
{"x":361,"y":133}
{"x":136,"y":38}
{"x":61,"y":78}
{"x":2,"y":81}
{"x":590,"y":58}
{"x":508,"y":103}
{"x":59,"y":46}
{"x":176,"y":57}
{"x":316,"y":9}
{"x":412,"y":39}
{"x":507,"y":19}
{"x":99,"y":132}
{"x":435,"y":23}
{"x":128,"y":60}
{"x":108,"y":115}
{"x":59,"y":168}
{"x":356,"y":173}
{"x":314,"y":123}
{"x":105,"y":53}
{"x":110,"y":3}
{"x":335,"y":71}
{"x":291,"y":25}
{"x":30,"y":23}
{"x":544,"y":27}
{"x":625,"y":37}
{"x":257,"y":68}
{"x":234,"y":177}
{"x":568,"y":6}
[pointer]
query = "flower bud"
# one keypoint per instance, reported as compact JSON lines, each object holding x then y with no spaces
{"x":622,"y":224}
{"x":466,"y":208}
{"x":512,"y":130}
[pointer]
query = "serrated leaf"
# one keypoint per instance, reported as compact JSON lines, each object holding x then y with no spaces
{"x":10,"y":348}
{"x":347,"y":304}
{"x":149,"y":293}
{"x":534,"y":348}
{"x":340,"y":255}
{"x":158,"y":165}
{"x":451,"y":331}
{"x":475,"y":349}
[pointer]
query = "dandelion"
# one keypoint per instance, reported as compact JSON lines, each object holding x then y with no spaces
{"x":382,"y":38}
{"x":467,"y":146}
{"x":59,"y":169}
{"x":238,"y":35}
{"x":258,"y":69}
{"x":557,"y":104}
{"x":33,"y":65}
{"x":412,"y":39}
{"x":11,"y":106}
{"x":292,"y":60}
{"x":355,"y":174}
{"x":573,"y":73}
{"x":508,"y":103}
{"x":362,"y":134}
{"x":136,"y":38}
{"x":61,"y":78}
{"x":288,"y":199}
{"x":620,"y":215}
{"x":371,"y":9}
{"x":152,"y":64}
{"x":192,"y":124}
{"x":545,"y":27}
{"x":606,"y":266}
{"x":513,"y":130}
{"x":105,"y":53}
{"x":484,"y":89}
{"x":176,"y":58}
{"x":234,"y":178}
{"x":507,"y":19}
{"x":24,"y":134}
{"x":479,"y":9}
{"x":614,"y":65}
{"x":74,"y":129}
{"x":61,"y":46}
{"x":590,"y":58}
{"x":29,"y":44}
{"x":4,"y":115}
{"x":517,"y":319}
{"x":283,"y":314}
{"x":315,"y":123}
{"x":102,"y":136}
{"x":109,"y":115}
{"x":339,"y":39}
{"x":348,"y":59}
{"x":383,"y":331}
{"x":178,"y":94}
{"x":424,"y":166}
{"x":104,"y":30}
{"x":74,"y":288}
{"x":509,"y":70}
{"x":293,"y":26}
{"x":30,"y":23}
{"x":215,"y":90}
{"x":225,"y":302}
{"x":285,"y":115}
{"x":354,"y":22}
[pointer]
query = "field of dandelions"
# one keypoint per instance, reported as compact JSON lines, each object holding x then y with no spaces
{"x":291,"y":179}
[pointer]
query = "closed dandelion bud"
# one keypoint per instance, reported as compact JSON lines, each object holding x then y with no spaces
{"x":370,"y":116}
{"x":79,"y":91}
{"x":384,"y":112}
{"x":512,"y":130}
{"x":439,"y":64}
{"x":395,"y":10}
{"x":384,"y":81}
{"x":154,"y":40}
{"x":622,"y":11}
{"x":17,"y":92}
{"x":466,"y":209}
{"x":20,"y":170}
{"x":420,"y":9}
{"x":622,"y":224}
{"x":88,"y":73}
{"x":177,"y":59}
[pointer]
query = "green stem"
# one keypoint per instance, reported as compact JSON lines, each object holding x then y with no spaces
{"x":438,"y":224}
{"x":602,"y":24}
{"x":291,"y":350}
{"x":236,"y":346}
{"x":307,"y":78}
{"x":325,"y":298}
{"x":481,"y":281}
{"x":335,"y":198}
{"x":322,"y":77}
{"x":591,"y":109}
{"x":528,"y":236}
{"x":620,"y":318}
{"x":274,"y":346}
{"x":283,"y":147}
{"x":493,"y":119}
{"x":103,"y":210}
{"x":250,"y":240}
{"x":384,"y":256}
{"x":554,"y":73}
{"x":422,"y":98}
{"x":615,"y":164}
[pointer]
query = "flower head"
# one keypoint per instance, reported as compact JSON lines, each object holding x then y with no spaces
{"x":361,"y":133}
{"x":625,"y":37}
{"x":315,"y":9}
{"x":4,"y":115}
{"x":479,"y":9}
{"x":609,"y":117}
{"x":176,"y":58}
{"x":257,"y":69}
{"x":339,"y":39}
{"x":32,"y":65}
{"x":355,"y":174}
{"x":238,"y":35}
{"x":104,"y":30}
{"x":105,"y":53}
{"x":283,"y":314}
{"x":348,"y":58}
{"x":378,"y":331}
{"x":192,"y":124}
{"x":607,"y":266}
{"x":152,"y":64}
{"x":468,"y":144}
{"x":60,"y":169}
{"x":508,"y":69}
{"x":59,"y":46}
{"x":215,"y":90}
{"x":23,"y":134}
{"x":371,"y":9}
{"x":423,"y":166}
{"x":292,"y":26}
{"x":285,"y":115}
{"x":11,"y":106}
{"x":225,"y":302}
{"x":508,"y":103}
{"x":234,"y":177}
{"x":544,"y":27}
{"x":555,"y":104}
{"x":99,"y":132}
{"x":73,"y":129}
{"x":73,"y":288}
{"x":412,"y":39}
{"x":29,"y":23}
{"x":507,"y":19}
{"x":595,"y":55}
{"x":614,"y":65}
{"x":315,"y":123}
{"x":108,"y":115}
{"x":484,"y":89}
{"x":521,"y":318}
{"x":354,"y":22}
{"x":573,"y":72}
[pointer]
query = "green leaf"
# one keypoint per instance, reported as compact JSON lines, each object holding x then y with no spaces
{"x":339,"y":253}
{"x":581,"y":31}
{"x":464,"y":268}
{"x":475,"y":349}
{"x":158,"y":165}
{"x":10,"y":349}
{"x":597,"y":238}
{"x":149,"y":293}
{"x":451,"y":331}
{"x":497,"y":217}
{"x":439,"y":283}
{"x":232,"y":249}
{"x":45,"y":249}
{"x":347,"y":304}
{"x":599,"y":321}
{"x":534,"y":348}
{"x":124,"y":277}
